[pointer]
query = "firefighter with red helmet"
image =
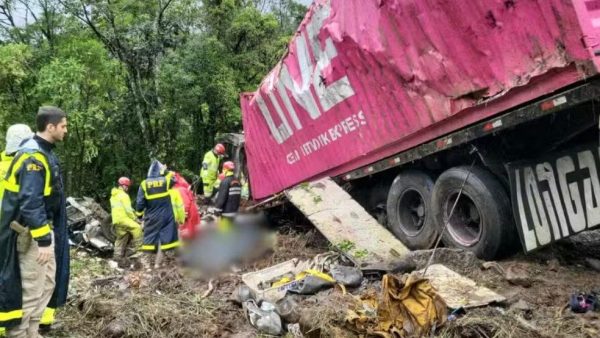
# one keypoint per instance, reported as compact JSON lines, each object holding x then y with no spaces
{"x":124,"y":219}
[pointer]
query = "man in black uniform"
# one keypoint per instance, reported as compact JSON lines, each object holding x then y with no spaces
{"x":229,"y":196}
{"x":34,"y":251}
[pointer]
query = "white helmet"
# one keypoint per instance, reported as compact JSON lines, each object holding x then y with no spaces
{"x":15,"y":135}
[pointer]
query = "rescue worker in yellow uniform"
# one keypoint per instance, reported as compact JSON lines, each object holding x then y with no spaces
{"x":34,"y":248}
{"x":124,"y":219}
{"x":210,"y":170}
{"x":162,"y":209}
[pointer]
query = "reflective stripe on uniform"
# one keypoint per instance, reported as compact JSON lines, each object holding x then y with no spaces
{"x":11,"y":315}
{"x":48,"y":316}
{"x":41,"y":232}
{"x":235,"y":191}
{"x":155,"y":196}
{"x":170,"y":245}
{"x":169,"y":176}
{"x":12,"y":187}
{"x":148,"y":247}
{"x":11,"y":184}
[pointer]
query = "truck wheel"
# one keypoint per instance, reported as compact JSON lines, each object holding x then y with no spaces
{"x":482,"y":220}
{"x":409,"y":211}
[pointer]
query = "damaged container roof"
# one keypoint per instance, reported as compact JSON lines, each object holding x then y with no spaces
{"x":363,"y":80}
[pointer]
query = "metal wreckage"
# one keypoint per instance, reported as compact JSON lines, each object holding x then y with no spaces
{"x":90,"y":226}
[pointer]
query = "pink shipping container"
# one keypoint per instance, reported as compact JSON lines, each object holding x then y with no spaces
{"x":366,"y":79}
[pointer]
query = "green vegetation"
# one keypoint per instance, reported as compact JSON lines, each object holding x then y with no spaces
{"x":361,"y":253}
{"x":139,"y":79}
{"x":345,"y":246}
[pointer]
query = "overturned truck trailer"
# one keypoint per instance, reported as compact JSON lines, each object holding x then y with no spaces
{"x":407,"y":99}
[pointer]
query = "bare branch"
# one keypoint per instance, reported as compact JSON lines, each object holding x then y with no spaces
{"x":6,"y":11}
{"x":160,"y":15}
{"x":28,"y":9}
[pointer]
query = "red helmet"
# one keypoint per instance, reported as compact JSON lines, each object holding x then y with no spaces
{"x":124,"y":181}
{"x":228,"y":165}
{"x":220,"y":149}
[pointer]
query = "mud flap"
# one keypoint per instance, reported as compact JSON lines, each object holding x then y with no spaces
{"x":346,"y":224}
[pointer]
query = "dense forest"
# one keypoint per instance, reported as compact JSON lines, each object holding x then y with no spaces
{"x":138,"y":79}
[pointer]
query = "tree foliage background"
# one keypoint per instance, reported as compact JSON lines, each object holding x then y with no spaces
{"x":138,"y":79}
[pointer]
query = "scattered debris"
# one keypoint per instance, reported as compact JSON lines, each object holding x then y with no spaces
{"x":111,"y":302}
{"x":408,"y":306}
{"x":518,"y":275}
{"x":347,"y":275}
{"x":584,"y":302}
{"x":456,"y":313}
{"x":521,"y":305}
{"x":287,"y":308}
{"x":115,"y":329}
{"x":307,"y":282}
{"x":89,"y":225}
{"x":495,"y":266}
{"x":554,"y":265}
{"x":242,"y":294}
{"x":458,"y":291}
{"x":260,"y":281}
{"x":210,"y":289}
{"x":114,"y":265}
{"x":264,"y":318}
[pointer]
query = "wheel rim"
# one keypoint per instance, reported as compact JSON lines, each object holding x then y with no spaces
{"x":411,"y":210}
{"x":465,"y":226}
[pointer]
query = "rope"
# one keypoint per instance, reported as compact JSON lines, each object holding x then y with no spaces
{"x":437,"y":243}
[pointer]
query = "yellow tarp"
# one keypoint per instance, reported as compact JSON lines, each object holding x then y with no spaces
{"x":407,"y":307}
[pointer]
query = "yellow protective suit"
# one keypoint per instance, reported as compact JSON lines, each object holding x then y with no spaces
{"x":124,"y":220}
{"x":209,"y":172}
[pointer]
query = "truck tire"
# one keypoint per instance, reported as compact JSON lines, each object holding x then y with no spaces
{"x":482,"y":221}
{"x":409,"y":212}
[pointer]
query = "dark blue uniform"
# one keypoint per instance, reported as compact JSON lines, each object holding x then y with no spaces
{"x":154,"y":202}
{"x":32,"y":194}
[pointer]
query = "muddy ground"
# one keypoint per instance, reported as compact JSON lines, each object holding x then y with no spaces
{"x":106,"y":302}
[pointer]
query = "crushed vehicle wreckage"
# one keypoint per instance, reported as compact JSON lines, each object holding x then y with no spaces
{"x":89,"y":225}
